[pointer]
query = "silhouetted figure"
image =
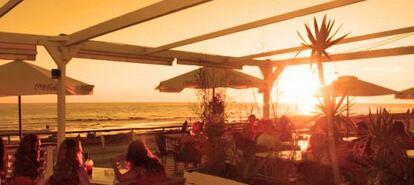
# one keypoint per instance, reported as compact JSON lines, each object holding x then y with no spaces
{"x":398,"y":129}
{"x":27,"y":161}
{"x":318,"y":141}
{"x":162,"y":147}
{"x":3,"y":161}
{"x":248,"y":132}
{"x":285,"y":129}
{"x":143,"y":167}
{"x":184,"y":128}
{"x":362,"y":128}
{"x":69,"y":168}
{"x":268,"y":140}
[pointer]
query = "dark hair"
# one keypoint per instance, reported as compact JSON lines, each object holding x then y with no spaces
{"x":140,"y":156}
{"x":66,"y":169}
{"x":398,"y":129}
{"x":362,"y":128}
{"x":251,"y":118}
{"x":2,"y":154}
{"x":26,"y":161}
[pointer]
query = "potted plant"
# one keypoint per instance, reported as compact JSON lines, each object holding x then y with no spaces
{"x":385,"y":152}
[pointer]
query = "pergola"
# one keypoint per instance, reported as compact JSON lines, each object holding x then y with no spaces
{"x":62,"y":48}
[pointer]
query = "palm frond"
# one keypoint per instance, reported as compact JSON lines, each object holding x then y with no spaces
{"x":320,"y":39}
{"x":303,"y":40}
{"x":311,"y":38}
{"x":334,"y":34}
{"x":337,"y":40}
{"x":316,"y":28}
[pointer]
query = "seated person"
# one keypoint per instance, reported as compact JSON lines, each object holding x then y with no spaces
{"x":398,"y":130}
{"x":285,"y":129}
{"x":259,"y":127}
{"x":269,"y":139}
{"x":143,"y":167}
{"x":69,"y":168}
{"x":184,"y":127}
{"x":318,"y":141}
{"x":3,"y":162}
{"x":26,"y":166}
{"x":248,"y":128}
{"x":190,"y":147}
{"x":197,"y":130}
{"x":362,"y":129}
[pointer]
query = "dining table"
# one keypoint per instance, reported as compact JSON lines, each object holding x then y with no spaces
{"x":104,"y":176}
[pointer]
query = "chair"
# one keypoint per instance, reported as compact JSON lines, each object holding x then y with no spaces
{"x":162,"y":147}
{"x":186,"y":151}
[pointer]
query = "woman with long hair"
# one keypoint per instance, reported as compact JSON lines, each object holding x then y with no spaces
{"x":69,"y":169}
{"x":143,"y":167}
{"x":27,"y":161}
{"x":3,"y":161}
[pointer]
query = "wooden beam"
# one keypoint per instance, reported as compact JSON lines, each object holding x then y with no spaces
{"x":210,"y":64}
{"x":255,"y":24}
{"x":269,"y":77}
{"x":276,"y":73}
{"x":124,"y":52}
{"x":346,"y":40}
{"x":183,"y":57}
{"x":9,"y":6}
{"x":409,"y":50}
{"x":20,"y":38}
{"x":9,"y":51}
{"x":136,"y":17}
{"x":122,"y":58}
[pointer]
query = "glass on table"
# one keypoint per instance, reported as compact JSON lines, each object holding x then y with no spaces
{"x":109,"y":172}
{"x":88,"y":164}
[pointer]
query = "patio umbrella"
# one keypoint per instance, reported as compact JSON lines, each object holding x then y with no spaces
{"x":20,"y":78}
{"x":405,"y":94}
{"x":206,"y":78}
{"x":352,"y":86}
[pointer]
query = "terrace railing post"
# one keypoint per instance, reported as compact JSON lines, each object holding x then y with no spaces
{"x":132,"y":135}
{"x":49,"y":161}
{"x":103,"y":141}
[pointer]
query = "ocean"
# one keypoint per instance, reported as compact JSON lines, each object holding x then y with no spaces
{"x":36,"y":116}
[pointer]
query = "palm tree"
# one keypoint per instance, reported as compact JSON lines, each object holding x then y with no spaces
{"x":319,"y":41}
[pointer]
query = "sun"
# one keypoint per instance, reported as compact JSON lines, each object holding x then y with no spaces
{"x":297,"y":85}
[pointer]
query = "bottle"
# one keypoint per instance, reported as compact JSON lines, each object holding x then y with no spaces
{"x":88,"y":164}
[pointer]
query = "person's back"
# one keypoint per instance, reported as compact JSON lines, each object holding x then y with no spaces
{"x":26,"y":164}
{"x":144,"y":167}
{"x":248,"y":128}
{"x":151,"y":177}
{"x":3,"y":161}
{"x":285,"y":129}
{"x":68,"y":169}
{"x":268,"y":139}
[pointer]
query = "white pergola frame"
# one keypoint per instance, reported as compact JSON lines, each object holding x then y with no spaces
{"x":15,"y":46}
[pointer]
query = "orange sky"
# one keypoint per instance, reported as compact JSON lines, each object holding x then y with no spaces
{"x":127,"y":82}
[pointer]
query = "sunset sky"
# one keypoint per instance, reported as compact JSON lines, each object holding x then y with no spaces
{"x":129,"y":82}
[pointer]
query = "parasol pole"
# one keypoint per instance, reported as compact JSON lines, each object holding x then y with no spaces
{"x":347,"y":113}
{"x":20,"y":116}
{"x":347,"y":106}
{"x":212,"y":98}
